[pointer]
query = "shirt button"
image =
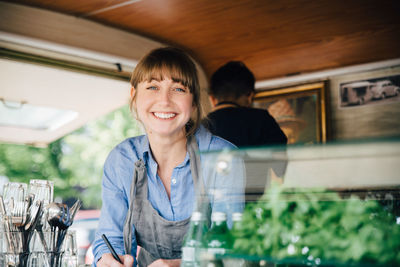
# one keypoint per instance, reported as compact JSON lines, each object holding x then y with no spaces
{"x":173,"y":181}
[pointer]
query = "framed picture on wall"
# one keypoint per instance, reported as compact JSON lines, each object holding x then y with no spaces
{"x":382,"y":90}
{"x":365,"y":104}
{"x":299,"y":110}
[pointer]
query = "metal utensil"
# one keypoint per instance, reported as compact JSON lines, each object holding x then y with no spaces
{"x":7,"y":227}
{"x":2,"y":207}
{"x":20,"y":217}
{"x":57,"y":215}
{"x":60,"y":217}
{"x":74,"y":209}
{"x":32,"y":219}
{"x":33,"y":212}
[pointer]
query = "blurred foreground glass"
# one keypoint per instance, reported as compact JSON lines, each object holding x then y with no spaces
{"x":43,"y":190}
{"x":70,"y":256}
{"x":11,"y":249}
{"x":44,"y":250}
{"x":13,"y":194}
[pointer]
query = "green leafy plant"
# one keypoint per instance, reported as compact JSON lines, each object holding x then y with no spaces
{"x":315,"y":226}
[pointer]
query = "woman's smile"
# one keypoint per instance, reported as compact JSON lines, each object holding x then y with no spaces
{"x":163,"y":115}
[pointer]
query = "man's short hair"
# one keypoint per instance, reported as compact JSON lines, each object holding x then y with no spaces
{"x":231,"y":81}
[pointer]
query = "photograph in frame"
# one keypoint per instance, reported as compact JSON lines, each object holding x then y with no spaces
{"x":372,"y":117}
{"x":382,"y":90}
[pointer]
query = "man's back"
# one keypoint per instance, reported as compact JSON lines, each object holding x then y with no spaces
{"x":244,"y":126}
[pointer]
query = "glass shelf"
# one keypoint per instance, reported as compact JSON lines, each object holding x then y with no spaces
{"x":335,"y":204}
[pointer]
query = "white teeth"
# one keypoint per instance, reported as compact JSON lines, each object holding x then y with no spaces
{"x":164,"y":115}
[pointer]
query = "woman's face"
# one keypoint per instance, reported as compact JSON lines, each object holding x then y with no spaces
{"x":164,"y":107}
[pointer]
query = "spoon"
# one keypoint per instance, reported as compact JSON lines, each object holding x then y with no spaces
{"x":58,"y":216}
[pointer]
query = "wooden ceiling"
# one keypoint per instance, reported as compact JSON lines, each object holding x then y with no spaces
{"x":274,"y":38}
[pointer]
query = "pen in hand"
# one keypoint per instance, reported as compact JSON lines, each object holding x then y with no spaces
{"x":111,"y":248}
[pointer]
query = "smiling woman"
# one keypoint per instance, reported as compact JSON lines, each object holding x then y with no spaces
{"x":150,"y":181}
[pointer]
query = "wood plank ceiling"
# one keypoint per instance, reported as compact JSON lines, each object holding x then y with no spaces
{"x":274,"y":38}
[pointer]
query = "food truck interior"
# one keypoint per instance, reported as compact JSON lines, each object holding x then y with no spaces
{"x":327,"y":71}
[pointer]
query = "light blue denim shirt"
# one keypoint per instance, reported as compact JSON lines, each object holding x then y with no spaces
{"x":116,"y":183}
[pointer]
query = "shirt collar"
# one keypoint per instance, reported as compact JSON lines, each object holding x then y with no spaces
{"x":185,"y":161}
{"x":148,"y":157}
{"x":146,"y":148}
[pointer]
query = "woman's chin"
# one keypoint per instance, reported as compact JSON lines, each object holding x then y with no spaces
{"x":167,"y":133}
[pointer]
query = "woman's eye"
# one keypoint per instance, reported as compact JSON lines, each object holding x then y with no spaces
{"x":179,"y":89}
{"x":152,"y":88}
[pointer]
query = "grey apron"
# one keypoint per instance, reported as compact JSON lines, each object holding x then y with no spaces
{"x":157,"y":237}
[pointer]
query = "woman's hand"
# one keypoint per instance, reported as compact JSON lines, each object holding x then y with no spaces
{"x":107,"y":260}
{"x":166,"y":263}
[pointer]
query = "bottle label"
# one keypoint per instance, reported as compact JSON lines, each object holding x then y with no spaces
{"x":188,"y":254}
{"x":215,"y":251}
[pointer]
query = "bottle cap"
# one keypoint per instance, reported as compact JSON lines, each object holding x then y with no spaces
{"x":218,"y":216}
{"x":237,"y":216}
{"x":196,"y":216}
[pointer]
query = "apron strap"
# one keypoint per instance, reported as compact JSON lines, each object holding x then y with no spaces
{"x":192,"y":147}
{"x":138,"y":174}
{"x":202,"y":201}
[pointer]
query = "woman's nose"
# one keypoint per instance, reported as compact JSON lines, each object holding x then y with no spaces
{"x":164,"y":96}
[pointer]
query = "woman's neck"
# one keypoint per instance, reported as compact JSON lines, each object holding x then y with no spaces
{"x":168,"y":150}
{"x":168,"y":153}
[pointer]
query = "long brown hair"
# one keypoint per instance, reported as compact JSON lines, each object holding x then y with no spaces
{"x":173,"y":63}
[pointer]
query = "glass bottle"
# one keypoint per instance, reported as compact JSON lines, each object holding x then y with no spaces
{"x":218,"y":240}
{"x":236,"y":219}
{"x":193,"y":240}
{"x":235,"y":232}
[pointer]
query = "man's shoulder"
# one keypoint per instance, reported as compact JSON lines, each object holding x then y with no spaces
{"x":237,"y":117}
{"x":255,"y":110}
{"x":252,"y":114}
{"x":238,"y":110}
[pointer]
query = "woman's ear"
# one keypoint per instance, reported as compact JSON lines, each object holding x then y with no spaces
{"x":132,"y":100}
{"x":133,"y":91}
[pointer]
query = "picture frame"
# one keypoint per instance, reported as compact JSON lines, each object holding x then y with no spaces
{"x":374,"y":116}
{"x":300,"y":111}
{"x":374,"y":91}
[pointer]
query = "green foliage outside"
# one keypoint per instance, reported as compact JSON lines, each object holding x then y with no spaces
{"x":74,"y":162}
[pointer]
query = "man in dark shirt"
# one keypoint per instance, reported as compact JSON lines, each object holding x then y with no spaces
{"x":231,"y":94}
